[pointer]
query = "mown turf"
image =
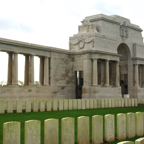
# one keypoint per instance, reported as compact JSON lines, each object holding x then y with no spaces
{"x":22,"y":117}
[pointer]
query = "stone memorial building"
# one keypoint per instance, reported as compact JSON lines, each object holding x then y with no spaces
{"x":105,"y":60}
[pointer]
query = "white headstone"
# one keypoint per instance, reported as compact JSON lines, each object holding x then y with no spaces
{"x":130,"y":125}
{"x":42,"y":105}
{"x":139,"y":123}
{"x":83,"y":103}
{"x":139,"y":141}
{"x":65,"y":104}
{"x":2,"y":106}
{"x":67,"y":131}
{"x":19,"y":106}
{"x":75,"y":104}
{"x":113,"y":103}
{"x":70,"y":104}
{"x":99,"y":103}
{"x":91,"y":104}
{"x":51,"y":131}
{"x":35,"y":105}
{"x":10,"y":106}
{"x":55,"y":105}
{"x":28,"y":105}
{"x":61,"y":107}
{"x":102,"y":103}
{"x":121,"y":126}
{"x":87,"y":103}
{"x":109,"y":128}
{"x":48,"y":105}
{"x":11,"y":133}
{"x":83,"y":129}
{"x":32,"y":132}
{"x":95,"y":104}
{"x":97,"y":129}
{"x":79,"y":104}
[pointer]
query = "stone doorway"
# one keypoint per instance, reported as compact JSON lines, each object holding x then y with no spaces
{"x":123,"y":68}
{"x":79,"y":84}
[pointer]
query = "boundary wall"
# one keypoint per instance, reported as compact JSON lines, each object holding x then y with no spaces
{"x":128,"y":126}
{"x":64,"y":104}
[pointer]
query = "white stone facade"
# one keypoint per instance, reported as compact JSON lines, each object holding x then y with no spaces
{"x":107,"y":54}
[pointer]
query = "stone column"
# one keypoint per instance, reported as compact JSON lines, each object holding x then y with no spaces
{"x":31,"y":70}
{"x":95,"y":72}
{"x":26,"y":75}
{"x":87,"y":76}
{"x":107,"y":73}
{"x":102,"y":73}
{"x":136,"y":76}
{"x":9,"y":80}
{"x":117,"y":74}
{"x":15,"y":69}
{"x":46,"y":71}
{"x":143,"y":75}
{"x":41,"y":73}
{"x":140,"y":76}
{"x":87,"y":65}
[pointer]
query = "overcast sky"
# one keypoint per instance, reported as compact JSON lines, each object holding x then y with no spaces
{"x":52,"y":22}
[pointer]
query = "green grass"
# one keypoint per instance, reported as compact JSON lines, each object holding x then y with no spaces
{"x":22,"y":117}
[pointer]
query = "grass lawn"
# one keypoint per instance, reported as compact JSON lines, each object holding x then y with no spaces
{"x":22,"y":117}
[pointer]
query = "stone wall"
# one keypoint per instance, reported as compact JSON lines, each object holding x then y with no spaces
{"x":57,"y":79}
{"x":107,"y":50}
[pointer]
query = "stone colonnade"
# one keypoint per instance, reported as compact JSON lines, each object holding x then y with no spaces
{"x":104,"y":71}
{"x":29,"y":69}
{"x":138,"y":75}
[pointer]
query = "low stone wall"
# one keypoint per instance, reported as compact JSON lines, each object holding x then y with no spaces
{"x":128,"y":126}
{"x":64,"y":104}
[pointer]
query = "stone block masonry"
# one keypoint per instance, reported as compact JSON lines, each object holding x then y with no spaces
{"x":104,"y":56}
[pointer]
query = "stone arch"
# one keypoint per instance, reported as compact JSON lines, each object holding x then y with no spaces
{"x":125,"y":68}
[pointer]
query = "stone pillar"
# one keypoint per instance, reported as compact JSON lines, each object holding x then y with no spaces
{"x":26,"y":75}
{"x":46,"y":71}
{"x":107,"y":73}
{"x":31,"y":70}
{"x":136,"y":76}
{"x":41,"y":72}
{"x":102,"y":73}
{"x":143,"y":75}
{"x":140,"y":76}
{"x":9,"y":80}
{"x":95,"y":72}
{"x":87,"y":71}
{"x":15,"y":69}
{"x":117,"y":74}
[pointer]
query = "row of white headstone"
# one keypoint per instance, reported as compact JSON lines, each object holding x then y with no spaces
{"x":138,"y":141}
{"x":66,"y":104}
{"x":128,"y":126}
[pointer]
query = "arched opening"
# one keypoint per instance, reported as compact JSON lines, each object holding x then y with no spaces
{"x":124,"y":68}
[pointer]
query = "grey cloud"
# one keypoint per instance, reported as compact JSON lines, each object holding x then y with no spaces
{"x":9,"y":24}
